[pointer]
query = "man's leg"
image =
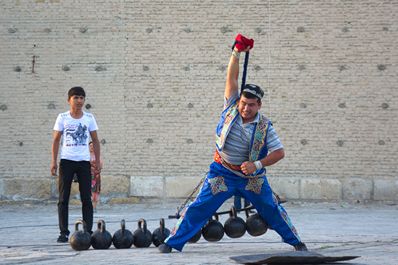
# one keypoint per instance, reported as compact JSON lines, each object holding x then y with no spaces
{"x":84,"y":178}
{"x":238,"y":202}
{"x":66,"y":171}
{"x":259,"y":193}
{"x":246,"y":203}
{"x":215,"y":190}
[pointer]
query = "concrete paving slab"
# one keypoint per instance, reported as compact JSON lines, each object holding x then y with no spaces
{"x":28,"y":233}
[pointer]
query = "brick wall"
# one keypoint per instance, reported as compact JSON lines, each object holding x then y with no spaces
{"x":154,"y":74}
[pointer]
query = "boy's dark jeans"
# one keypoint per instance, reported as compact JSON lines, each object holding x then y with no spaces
{"x":67,"y":168}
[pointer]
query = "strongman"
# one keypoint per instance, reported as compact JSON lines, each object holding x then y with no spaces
{"x":246,"y":143}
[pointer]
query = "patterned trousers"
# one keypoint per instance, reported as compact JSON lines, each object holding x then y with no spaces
{"x":220,"y":185}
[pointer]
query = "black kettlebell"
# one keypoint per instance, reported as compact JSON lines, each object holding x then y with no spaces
{"x":234,"y":226}
{"x":101,"y":239}
{"x":160,"y":234}
{"x":80,"y":239}
{"x":255,"y":224}
{"x":142,"y":236}
{"x":196,"y":237}
{"x":213,"y":230}
{"x":122,"y":238}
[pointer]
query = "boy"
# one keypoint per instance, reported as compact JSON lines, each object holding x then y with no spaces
{"x":75,"y":127}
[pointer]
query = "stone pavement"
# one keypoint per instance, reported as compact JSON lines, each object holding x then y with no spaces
{"x":28,"y":233}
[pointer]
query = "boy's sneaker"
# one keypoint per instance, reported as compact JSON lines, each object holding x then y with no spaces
{"x":62,"y":239}
{"x":301,"y":247}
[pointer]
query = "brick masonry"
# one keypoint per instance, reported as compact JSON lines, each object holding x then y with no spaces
{"x":154,"y":73}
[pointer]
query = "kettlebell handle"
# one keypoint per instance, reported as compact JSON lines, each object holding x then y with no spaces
{"x":216,"y":216}
{"x":233,"y":212}
{"x":251,"y":207}
{"x":101,"y":225}
{"x":83,"y":223}
{"x":142,"y":224}
{"x":247,"y":213}
{"x":162,"y":225}
{"x":123,"y":225}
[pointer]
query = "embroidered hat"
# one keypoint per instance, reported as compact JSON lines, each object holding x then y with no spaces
{"x":254,"y":90}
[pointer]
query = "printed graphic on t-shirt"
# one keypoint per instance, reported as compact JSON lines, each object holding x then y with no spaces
{"x":76,"y":135}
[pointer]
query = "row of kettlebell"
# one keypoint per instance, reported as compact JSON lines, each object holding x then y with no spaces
{"x":234,"y":226}
{"x":122,"y":238}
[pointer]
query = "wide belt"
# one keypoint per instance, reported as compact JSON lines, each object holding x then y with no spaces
{"x":218,"y":159}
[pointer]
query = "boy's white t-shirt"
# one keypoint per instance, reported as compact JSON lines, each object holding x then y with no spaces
{"x":76,"y":135}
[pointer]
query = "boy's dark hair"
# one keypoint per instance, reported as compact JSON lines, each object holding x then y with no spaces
{"x":76,"y":91}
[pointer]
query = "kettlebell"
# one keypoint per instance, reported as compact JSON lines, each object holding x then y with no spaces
{"x":160,"y":234}
{"x":122,"y":238}
{"x":213,"y":230}
{"x":255,"y":224}
{"x":80,"y":239}
{"x":196,"y":237}
{"x":234,"y":226}
{"x":101,"y":239}
{"x":142,"y":236}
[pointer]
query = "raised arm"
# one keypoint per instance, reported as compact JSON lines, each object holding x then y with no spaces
{"x":242,"y":44}
{"x":231,"y":86}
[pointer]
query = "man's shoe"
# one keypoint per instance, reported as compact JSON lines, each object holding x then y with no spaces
{"x":300,"y":247}
{"x":163,"y":248}
{"x":62,"y":239}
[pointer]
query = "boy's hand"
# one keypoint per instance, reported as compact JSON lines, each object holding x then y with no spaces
{"x":98,"y":166}
{"x":53,"y":168}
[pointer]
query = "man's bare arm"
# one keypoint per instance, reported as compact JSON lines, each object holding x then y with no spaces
{"x":231,"y":86}
{"x":249,"y":167}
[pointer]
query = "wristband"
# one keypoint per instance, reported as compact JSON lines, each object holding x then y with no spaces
{"x":236,"y":54}
{"x":258,"y":164}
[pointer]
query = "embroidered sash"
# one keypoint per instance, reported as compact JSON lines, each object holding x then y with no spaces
{"x":259,"y":137}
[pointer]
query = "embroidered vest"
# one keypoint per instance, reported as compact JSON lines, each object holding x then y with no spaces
{"x":258,"y":145}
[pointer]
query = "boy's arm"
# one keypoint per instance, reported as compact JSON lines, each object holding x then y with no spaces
{"x":54,"y":152}
{"x":97,"y":150}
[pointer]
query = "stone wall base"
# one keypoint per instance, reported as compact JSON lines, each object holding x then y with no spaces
{"x":354,"y":189}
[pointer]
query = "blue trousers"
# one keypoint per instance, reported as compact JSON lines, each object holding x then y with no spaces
{"x":220,"y":185}
{"x":238,"y":202}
